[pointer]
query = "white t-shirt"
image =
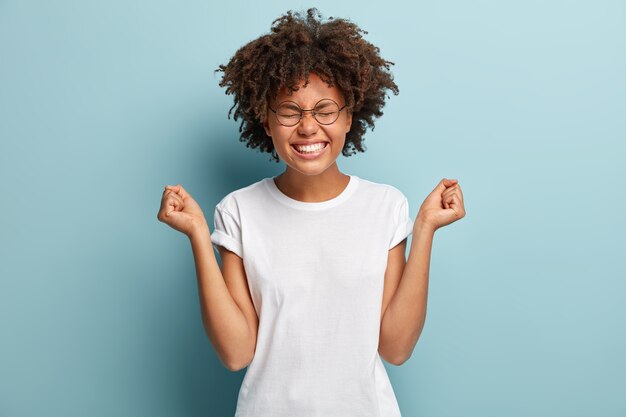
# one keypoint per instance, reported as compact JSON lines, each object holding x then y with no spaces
{"x":315,"y":271}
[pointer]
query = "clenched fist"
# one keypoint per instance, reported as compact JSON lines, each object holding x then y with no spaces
{"x":443,"y":205}
{"x":180,"y":211}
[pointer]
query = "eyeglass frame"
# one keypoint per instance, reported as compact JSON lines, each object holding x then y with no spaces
{"x":303,"y":110}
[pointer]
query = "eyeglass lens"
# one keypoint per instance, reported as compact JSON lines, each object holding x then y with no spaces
{"x":325,"y":112}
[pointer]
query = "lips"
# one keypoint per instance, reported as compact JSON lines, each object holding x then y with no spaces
{"x":311,"y":155}
{"x":309,"y":142}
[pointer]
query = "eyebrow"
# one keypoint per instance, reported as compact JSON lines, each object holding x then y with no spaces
{"x":296,"y":107}
{"x":291,"y":105}
{"x":323,"y":105}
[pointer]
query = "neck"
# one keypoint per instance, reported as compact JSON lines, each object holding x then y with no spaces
{"x":312,"y":188}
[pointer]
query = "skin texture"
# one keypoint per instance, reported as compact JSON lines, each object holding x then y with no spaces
{"x":228,"y":314}
{"x":318,"y":179}
{"x":407,"y":285}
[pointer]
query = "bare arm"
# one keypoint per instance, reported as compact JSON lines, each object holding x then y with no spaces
{"x":404,"y":316}
{"x":231,"y":331}
{"x":228,"y":312}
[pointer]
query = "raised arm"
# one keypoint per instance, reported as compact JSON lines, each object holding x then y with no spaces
{"x":228,"y":314}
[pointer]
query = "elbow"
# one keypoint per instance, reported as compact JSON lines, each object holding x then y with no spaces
{"x":395,"y":359}
{"x":399,"y":360}
{"x":237,"y":360}
{"x":237,"y":365}
{"x":403,"y":357}
{"x":233,"y":367}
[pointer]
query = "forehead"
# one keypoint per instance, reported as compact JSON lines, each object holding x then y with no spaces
{"x":308,"y":96}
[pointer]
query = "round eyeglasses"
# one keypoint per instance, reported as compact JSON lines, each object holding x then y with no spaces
{"x":325,"y":112}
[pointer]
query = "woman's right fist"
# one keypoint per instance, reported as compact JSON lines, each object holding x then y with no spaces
{"x":179,"y":210}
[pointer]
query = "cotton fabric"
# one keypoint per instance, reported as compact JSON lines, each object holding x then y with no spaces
{"x":315,"y":271}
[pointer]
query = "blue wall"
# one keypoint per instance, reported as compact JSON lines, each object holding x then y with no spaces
{"x":103,"y":103}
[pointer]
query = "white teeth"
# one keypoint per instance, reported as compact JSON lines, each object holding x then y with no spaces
{"x":310,"y":148}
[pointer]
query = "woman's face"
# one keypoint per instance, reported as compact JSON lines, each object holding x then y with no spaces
{"x":308,"y":131}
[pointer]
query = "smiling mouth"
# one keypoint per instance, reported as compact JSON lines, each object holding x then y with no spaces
{"x":310,"y":149}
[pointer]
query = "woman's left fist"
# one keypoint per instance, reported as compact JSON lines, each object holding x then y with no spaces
{"x":443,"y":205}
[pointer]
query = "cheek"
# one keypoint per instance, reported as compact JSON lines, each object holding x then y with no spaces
{"x":280,"y":139}
{"x":338,"y":134}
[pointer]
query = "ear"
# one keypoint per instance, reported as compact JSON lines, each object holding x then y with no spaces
{"x":266,"y":126}
{"x":348,"y":121}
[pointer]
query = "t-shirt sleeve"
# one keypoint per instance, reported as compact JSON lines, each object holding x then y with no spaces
{"x":227,"y":231}
{"x":402,"y":223}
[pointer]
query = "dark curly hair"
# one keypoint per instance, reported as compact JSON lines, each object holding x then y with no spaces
{"x":296,"y":46}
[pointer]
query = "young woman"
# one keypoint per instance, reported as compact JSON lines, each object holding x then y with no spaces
{"x":314,"y":287}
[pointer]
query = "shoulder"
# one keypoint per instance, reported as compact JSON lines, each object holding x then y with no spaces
{"x":381,"y":191}
{"x":232,"y":201}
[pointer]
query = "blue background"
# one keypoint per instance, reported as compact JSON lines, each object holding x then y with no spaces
{"x":103,"y":103}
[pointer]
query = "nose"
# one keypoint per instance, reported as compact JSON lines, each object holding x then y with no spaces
{"x":308,"y":125}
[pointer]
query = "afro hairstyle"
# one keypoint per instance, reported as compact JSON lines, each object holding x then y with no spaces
{"x":296,"y":46}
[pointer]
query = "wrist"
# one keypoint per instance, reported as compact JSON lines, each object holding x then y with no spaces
{"x":422,"y":226}
{"x":199,"y":230}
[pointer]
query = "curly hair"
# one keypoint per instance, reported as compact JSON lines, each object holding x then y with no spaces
{"x":296,"y":46}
